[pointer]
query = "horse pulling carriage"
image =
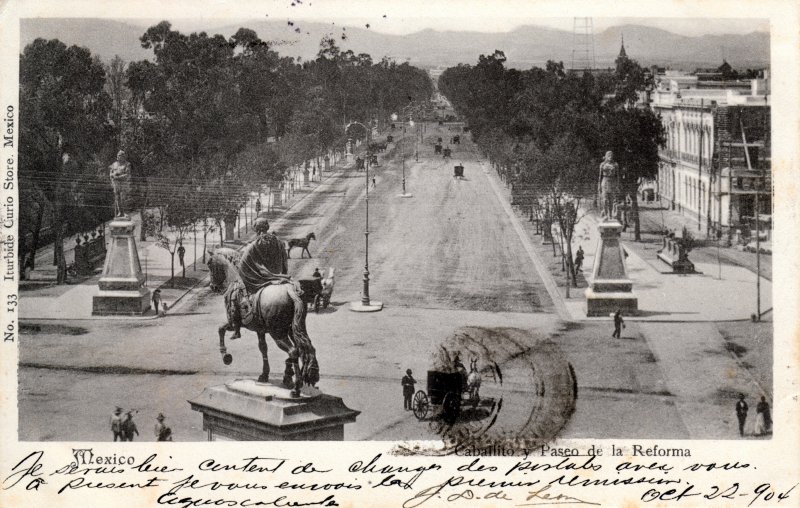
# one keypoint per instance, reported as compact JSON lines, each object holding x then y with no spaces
{"x":450,"y":391}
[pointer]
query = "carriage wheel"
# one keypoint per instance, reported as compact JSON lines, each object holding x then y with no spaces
{"x":451,"y":407}
{"x":419,"y":405}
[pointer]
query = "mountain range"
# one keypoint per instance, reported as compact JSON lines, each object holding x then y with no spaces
{"x":524,"y":47}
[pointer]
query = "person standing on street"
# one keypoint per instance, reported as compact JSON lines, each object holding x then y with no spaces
{"x":181,"y":253}
{"x":578,"y":260}
{"x":129,"y":427}
{"x":619,"y":324}
{"x":763,"y":417}
{"x":741,"y":413}
{"x":408,"y":389}
{"x":258,"y":207}
{"x":116,"y":424}
{"x":157,"y":301}
{"x":162,"y":432}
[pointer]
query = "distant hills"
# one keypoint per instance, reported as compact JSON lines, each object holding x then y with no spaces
{"x":524,"y":47}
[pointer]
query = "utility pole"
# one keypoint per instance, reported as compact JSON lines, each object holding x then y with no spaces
{"x":758,"y":220}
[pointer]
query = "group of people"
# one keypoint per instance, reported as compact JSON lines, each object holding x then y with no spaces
{"x":763,"y":423}
{"x":124,"y":428}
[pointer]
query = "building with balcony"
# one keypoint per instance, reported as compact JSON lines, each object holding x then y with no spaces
{"x":709,"y":171}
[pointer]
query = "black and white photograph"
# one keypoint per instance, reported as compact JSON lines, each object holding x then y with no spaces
{"x":450,"y":233}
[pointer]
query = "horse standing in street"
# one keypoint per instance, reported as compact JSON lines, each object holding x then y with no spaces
{"x":302,"y":243}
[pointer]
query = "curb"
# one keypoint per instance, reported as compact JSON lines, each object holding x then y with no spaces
{"x":178,"y":302}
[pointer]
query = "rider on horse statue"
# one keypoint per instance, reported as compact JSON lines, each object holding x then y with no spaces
{"x":263,"y":263}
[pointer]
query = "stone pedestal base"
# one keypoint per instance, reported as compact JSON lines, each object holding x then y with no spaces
{"x":121,"y":303}
{"x":603,"y":304}
{"x":610,"y":289}
{"x":245,"y":410}
{"x":122,"y":290}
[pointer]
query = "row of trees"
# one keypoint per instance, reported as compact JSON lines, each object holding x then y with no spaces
{"x":546,"y":131}
{"x":205,"y":122}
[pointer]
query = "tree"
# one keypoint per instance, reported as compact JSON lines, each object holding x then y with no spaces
{"x":634,"y":136}
{"x":560,"y":175}
{"x":63,"y":125}
{"x":180,"y":218}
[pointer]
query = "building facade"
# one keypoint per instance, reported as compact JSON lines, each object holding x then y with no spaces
{"x":705,"y":172}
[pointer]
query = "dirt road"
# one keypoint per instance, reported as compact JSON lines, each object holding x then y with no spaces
{"x":442,"y":261}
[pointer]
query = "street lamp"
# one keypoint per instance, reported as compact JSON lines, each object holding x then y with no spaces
{"x":411,"y":123}
{"x":365,"y":305}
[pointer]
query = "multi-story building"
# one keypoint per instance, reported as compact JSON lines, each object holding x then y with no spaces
{"x":705,"y":171}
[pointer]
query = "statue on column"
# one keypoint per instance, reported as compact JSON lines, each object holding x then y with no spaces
{"x":608,"y":184}
{"x":120,"y":174}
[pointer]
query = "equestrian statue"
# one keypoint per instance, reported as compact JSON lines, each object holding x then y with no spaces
{"x":262,"y":298}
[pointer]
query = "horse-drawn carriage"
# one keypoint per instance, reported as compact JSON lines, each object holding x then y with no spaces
{"x":447,"y":152}
{"x":450,"y":391}
{"x":456,"y":139}
{"x":437,"y":148}
{"x":317,"y":291}
{"x":458,"y":171}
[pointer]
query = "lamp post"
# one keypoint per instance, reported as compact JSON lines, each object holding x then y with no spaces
{"x":411,"y":122}
{"x":365,"y":305}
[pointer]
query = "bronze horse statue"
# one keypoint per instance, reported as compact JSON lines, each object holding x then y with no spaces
{"x":218,"y":271}
{"x":302,"y":243}
{"x":272,"y":310}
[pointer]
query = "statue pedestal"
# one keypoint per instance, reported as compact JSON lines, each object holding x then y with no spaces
{"x":122,"y":291}
{"x":245,"y":410}
{"x":611,"y":289}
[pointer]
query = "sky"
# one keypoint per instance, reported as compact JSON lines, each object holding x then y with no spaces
{"x":403,"y":24}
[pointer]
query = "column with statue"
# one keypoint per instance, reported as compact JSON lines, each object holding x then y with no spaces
{"x":610,"y":289}
{"x":122,"y":288}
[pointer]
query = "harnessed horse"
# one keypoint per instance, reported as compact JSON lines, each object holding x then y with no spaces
{"x":302,"y":243}
{"x":273,"y":310}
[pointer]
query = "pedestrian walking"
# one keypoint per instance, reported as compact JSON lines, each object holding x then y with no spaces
{"x":162,"y":432}
{"x":619,"y":324}
{"x":157,"y":300}
{"x":578,"y":260}
{"x":373,"y":181}
{"x":129,"y":427}
{"x":181,"y":253}
{"x":408,"y":389}
{"x":763,"y":418}
{"x":116,"y":424}
{"x":258,"y":206}
{"x":741,"y":413}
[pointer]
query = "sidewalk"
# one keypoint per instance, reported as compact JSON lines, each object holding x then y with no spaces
{"x":654,"y":218}
{"x":42,"y":299}
{"x":664,"y":296}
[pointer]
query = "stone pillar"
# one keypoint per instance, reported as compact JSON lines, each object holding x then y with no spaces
{"x":611,"y":289}
{"x":245,"y":410}
{"x":122,"y":290}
